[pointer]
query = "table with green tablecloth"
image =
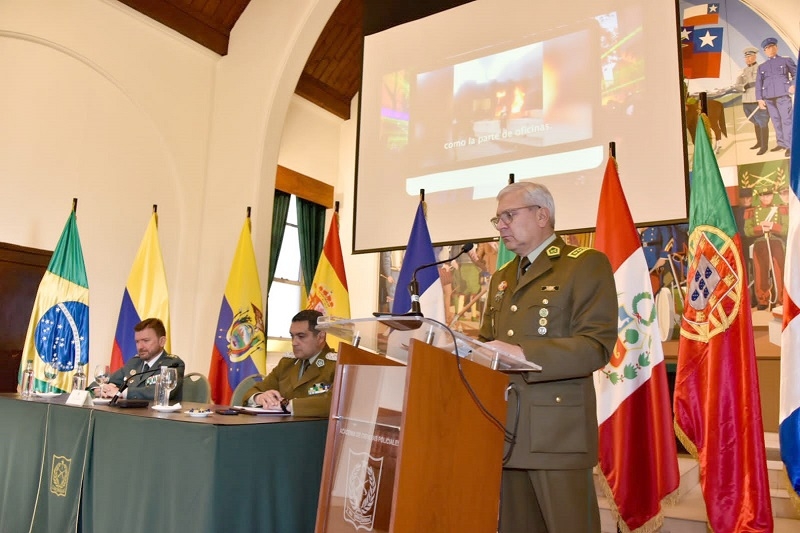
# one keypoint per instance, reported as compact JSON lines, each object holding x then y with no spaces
{"x":103,"y":469}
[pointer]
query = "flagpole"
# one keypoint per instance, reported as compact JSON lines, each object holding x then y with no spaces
{"x":75,"y":205}
{"x":612,"y":149}
{"x":511,"y":178}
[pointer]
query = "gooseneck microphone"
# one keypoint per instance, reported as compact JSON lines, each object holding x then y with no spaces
{"x":413,"y":286}
{"x":128,"y":380}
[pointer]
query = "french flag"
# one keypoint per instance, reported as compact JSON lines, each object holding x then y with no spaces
{"x":789,"y":414}
{"x":419,"y":251}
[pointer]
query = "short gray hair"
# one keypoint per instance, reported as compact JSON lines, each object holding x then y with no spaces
{"x":533,"y":194}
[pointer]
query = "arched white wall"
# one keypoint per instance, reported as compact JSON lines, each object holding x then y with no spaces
{"x":101,"y":103}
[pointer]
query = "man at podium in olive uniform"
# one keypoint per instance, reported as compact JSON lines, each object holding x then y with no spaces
{"x":555,"y":305}
{"x":300,"y":384}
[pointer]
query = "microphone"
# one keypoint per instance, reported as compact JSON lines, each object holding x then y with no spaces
{"x":413,"y":286}
{"x":126,"y":382}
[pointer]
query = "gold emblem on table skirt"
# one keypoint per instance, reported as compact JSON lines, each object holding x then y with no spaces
{"x":59,"y":475}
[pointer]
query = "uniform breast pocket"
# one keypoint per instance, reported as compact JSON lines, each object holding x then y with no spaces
{"x":558,"y":421}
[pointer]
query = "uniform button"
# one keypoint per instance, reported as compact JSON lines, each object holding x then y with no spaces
{"x":513,"y":308}
{"x":558,"y":399}
{"x":545,"y":301}
{"x":510,"y":333}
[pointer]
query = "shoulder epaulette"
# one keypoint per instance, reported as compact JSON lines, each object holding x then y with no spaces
{"x":553,"y":251}
{"x":577,"y":252}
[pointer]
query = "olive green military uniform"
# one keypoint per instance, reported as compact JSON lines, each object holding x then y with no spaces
{"x":310,"y":393}
{"x":563,"y":314}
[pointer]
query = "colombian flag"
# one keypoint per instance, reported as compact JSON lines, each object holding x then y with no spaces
{"x":329,"y":294}
{"x":59,"y":328}
{"x":145,"y":296}
{"x":239,"y":345}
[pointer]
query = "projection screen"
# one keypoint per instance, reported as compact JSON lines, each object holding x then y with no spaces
{"x":456,"y":102}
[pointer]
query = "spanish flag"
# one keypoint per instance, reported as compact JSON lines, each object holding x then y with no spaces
{"x":239,"y":343}
{"x":329,"y":294}
{"x":145,"y":296}
{"x":58,"y":332}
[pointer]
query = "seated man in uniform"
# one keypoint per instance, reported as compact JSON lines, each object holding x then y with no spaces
{"x":301,"y":384}
{"x":141,"y":371}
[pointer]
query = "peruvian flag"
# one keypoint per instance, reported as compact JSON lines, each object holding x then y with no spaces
{"x":638,"y":456}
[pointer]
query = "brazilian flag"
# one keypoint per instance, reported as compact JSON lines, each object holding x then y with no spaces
{"x":58,"y":331}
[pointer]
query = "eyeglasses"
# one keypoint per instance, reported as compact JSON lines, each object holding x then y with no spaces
{"x":508,"y":215}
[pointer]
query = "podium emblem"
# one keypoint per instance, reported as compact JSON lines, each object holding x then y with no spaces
{"x":59,"y":475}
{"x":363,"y":480}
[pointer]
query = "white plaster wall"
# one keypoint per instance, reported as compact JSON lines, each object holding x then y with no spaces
{"x":101,"y":104}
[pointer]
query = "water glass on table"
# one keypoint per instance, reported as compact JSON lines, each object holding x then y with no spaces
{"x":167,"y":381}
{"x":101,"y":375}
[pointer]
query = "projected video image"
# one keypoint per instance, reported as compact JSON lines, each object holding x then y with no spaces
{"x":455,"y":103}
{"x":518,"y":103}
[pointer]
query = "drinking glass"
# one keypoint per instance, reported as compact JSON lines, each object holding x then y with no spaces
{"x":169,"y":380}
{"x":101,"y":375}
{"x":50,"y":374}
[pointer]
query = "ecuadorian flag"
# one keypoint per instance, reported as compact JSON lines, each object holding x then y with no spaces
{"x":239,"y":344}
{"x":59,"y":328}
{"x":145,"y":296}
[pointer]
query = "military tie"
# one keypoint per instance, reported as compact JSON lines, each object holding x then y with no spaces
{"x":303,"y":366}
{"x":524,"y":263}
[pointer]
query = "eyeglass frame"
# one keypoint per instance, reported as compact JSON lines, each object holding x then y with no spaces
{"x":509,"y":214}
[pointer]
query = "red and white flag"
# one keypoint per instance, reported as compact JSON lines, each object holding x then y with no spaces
{"x":638,"y":455}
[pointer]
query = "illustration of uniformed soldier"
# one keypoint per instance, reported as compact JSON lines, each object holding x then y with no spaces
{"x":767,"y":226}
{"x":774,"y":85}
{"x":746,"y":82}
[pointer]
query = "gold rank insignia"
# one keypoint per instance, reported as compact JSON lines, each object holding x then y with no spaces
{"x":577,"y":252}
{"x":553,"y":251}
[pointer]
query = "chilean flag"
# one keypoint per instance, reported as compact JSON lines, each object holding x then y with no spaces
{"x":701,"y":51}
{"x":701,"y":14}
{"x":638,"y":456}
{"x":789,"y":415}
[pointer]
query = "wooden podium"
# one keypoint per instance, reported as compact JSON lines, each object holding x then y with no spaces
{"x":409,"y":448}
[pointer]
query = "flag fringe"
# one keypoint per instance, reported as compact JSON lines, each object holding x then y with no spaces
{"x":687,"y":444}
{"x":787,"y":484}
{"x":651,"y":526}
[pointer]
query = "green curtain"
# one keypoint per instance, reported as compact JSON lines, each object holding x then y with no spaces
{"x":280,"y":209}
{"x":311,"y":230}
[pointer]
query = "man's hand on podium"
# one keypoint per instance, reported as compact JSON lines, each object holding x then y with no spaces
{"x":512,"y":349}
